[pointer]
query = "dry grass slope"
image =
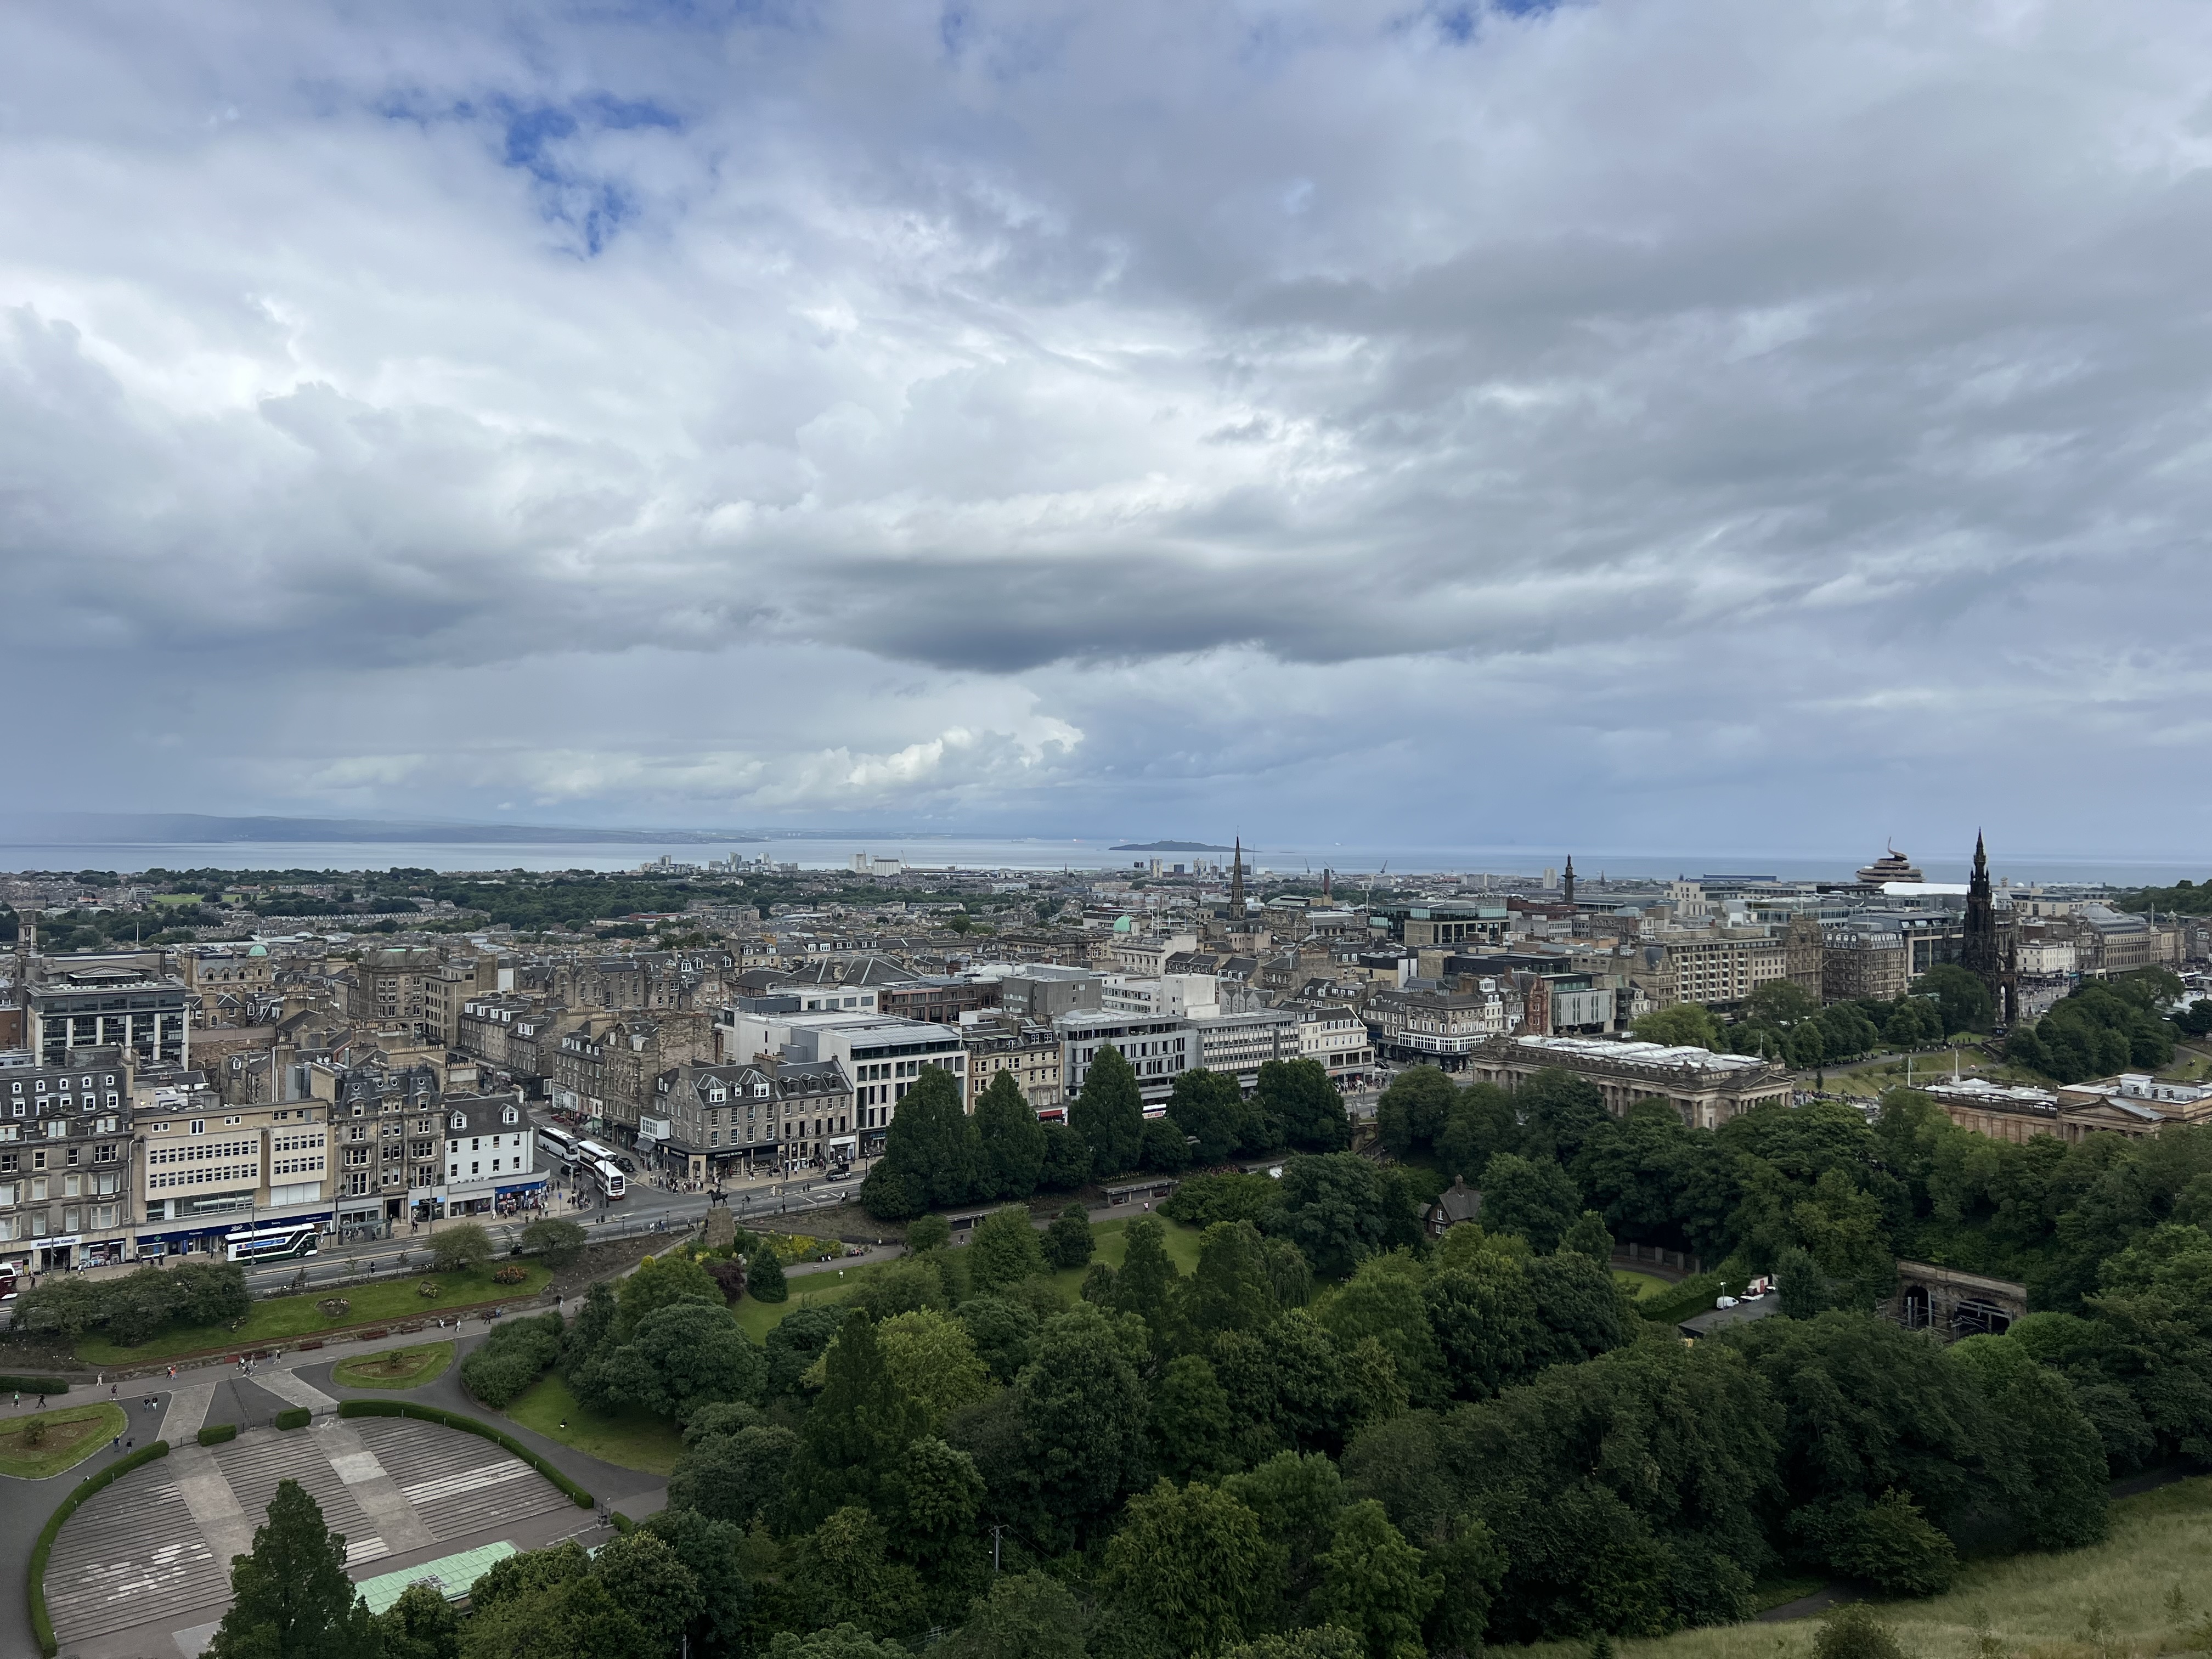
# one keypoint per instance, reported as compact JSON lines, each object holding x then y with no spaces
{"x":2114,"y":1600}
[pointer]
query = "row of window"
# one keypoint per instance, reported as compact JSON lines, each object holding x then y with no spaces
{"x":76,"y":1219}
{"x":193,"y":1177}
{"x":297,"y":1166}
{"x":202,"y":1152}
{"x":64,"y":1103}
{"x":72,"y":1156}
{"x":39,"y":1189}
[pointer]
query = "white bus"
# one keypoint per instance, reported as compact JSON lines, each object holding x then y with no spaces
{"x":612,"y":1182}
{"x":563,"y":1143}
{"x":594,"y":1153}
{"x":279,"y":1244}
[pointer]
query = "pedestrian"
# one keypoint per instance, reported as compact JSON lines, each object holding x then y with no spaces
{"x":116,"y":1444}
{"x":19,"y":1400}
{"x":42,"y":1402}
{"x":128,"y":1445}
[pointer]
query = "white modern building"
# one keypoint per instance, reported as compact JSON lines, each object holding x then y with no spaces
{"x":1159,"y":1049}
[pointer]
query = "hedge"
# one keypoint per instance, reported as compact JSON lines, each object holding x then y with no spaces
{"x":620,"y":1521}
{"x":41,"y":1626}
{"x":514,"y":1356}
{"x":1676,"y":1303}
{"x":294,"y":1417}
{"x":36,"y":1384}
{"x":577,"y":1495}
{"x":216,"y":1433}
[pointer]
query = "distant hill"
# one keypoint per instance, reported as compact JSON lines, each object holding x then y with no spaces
{"x":1170,"y":847}
{"x":197,"y":828}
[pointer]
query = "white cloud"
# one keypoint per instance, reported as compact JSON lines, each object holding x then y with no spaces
{"x":1619,"y":416}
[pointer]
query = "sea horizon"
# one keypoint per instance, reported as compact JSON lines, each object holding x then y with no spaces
{"x":1039,"y":853}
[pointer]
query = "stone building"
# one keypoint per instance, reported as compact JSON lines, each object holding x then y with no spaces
{"x":711,"y":1122}
{"x":65,"y":1158}
{"x":1707,"y":1089}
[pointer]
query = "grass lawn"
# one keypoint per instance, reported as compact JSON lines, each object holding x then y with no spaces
{"x":395,"y":1367}
{"x":285,"y":1318}
{"x":73,"y":1434}
{"x":2109,"y":1599}
{"x":759,"y":1318}
{"x":634,"y":1440}
{"x":1643,"y":1284}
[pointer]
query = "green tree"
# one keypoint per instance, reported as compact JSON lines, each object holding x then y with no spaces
{"x":1337,"y":1209}
{"x":659,"y":1282}
{"x":421,"y":1624}
{"x":1149,"y":1283}
{"x":556,"y":1241}
{"x":1192,"y":1559}
{"x":1314,"y":1642}
{"x":1004,"y":1333}
{"x":1587,"y":1236}
{"x":290,"y":1598}
{"x":1781,"y":1002}
{"x":1194,"y":1434}
{"x":1558,"y":1111}
{"x":797,"y":1341}
{"x":1962,"y":998}
{"x":1010,"y":1140}
{"x":1297,"y":1094}
{"x":932,"y":1356}
{"x":1471,"y":1561}
{"x":1229,"y":1289}
{"x":683,"y":1356}
{"x":1802,"y":1286}
{"x":1084,"y":1418}
{"x":2043,"y":1454}
{"x":1412,"y":1111}
{"x":838,"y":1641}
{"x":1855,"y":1630}
{"x":1067,"y":1159}
{"x":649,"y":1582}
{"x":931,"y":1153}
{"x":1383,"y":1300}
{"x":1679,"y":1025}
{"x":735,"y":1478}
{"x":1027,"y":1616}
{"x":764,"y":1277}
{"x":460,"y":1248}
{"x":1109,"y":1113}
{"x":860,"y":1423}
{"x":1532,"y":1197}
{"x":1006,"y":1250}
{"x":929,"y":1232}
{"x":1164,"y":1148}
{"x":1209,"y":1106}
{"x":1373,"y":1581}
{"x":1067,"y":1241}
{"x":1481,"y":1124}
{"x":709,"y":1548}
{"x":842,"y":1572}
{"x":1298,"y":1497}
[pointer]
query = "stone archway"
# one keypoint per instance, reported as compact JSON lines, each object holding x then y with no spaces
{"x":1952,"y":1302}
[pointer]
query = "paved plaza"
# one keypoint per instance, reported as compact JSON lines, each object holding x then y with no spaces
{"x":141,"y":1570}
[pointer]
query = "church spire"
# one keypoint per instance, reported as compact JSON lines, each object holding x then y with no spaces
{"x":1570,"y":882}
{"x":1237,"y":882}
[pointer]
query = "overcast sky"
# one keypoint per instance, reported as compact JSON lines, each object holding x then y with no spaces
{"x":1706,"y":425}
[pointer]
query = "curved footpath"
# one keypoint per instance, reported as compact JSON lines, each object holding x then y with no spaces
{"x":219,"y":1393}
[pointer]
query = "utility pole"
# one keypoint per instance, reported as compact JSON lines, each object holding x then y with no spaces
{"x":996,"y":1533}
